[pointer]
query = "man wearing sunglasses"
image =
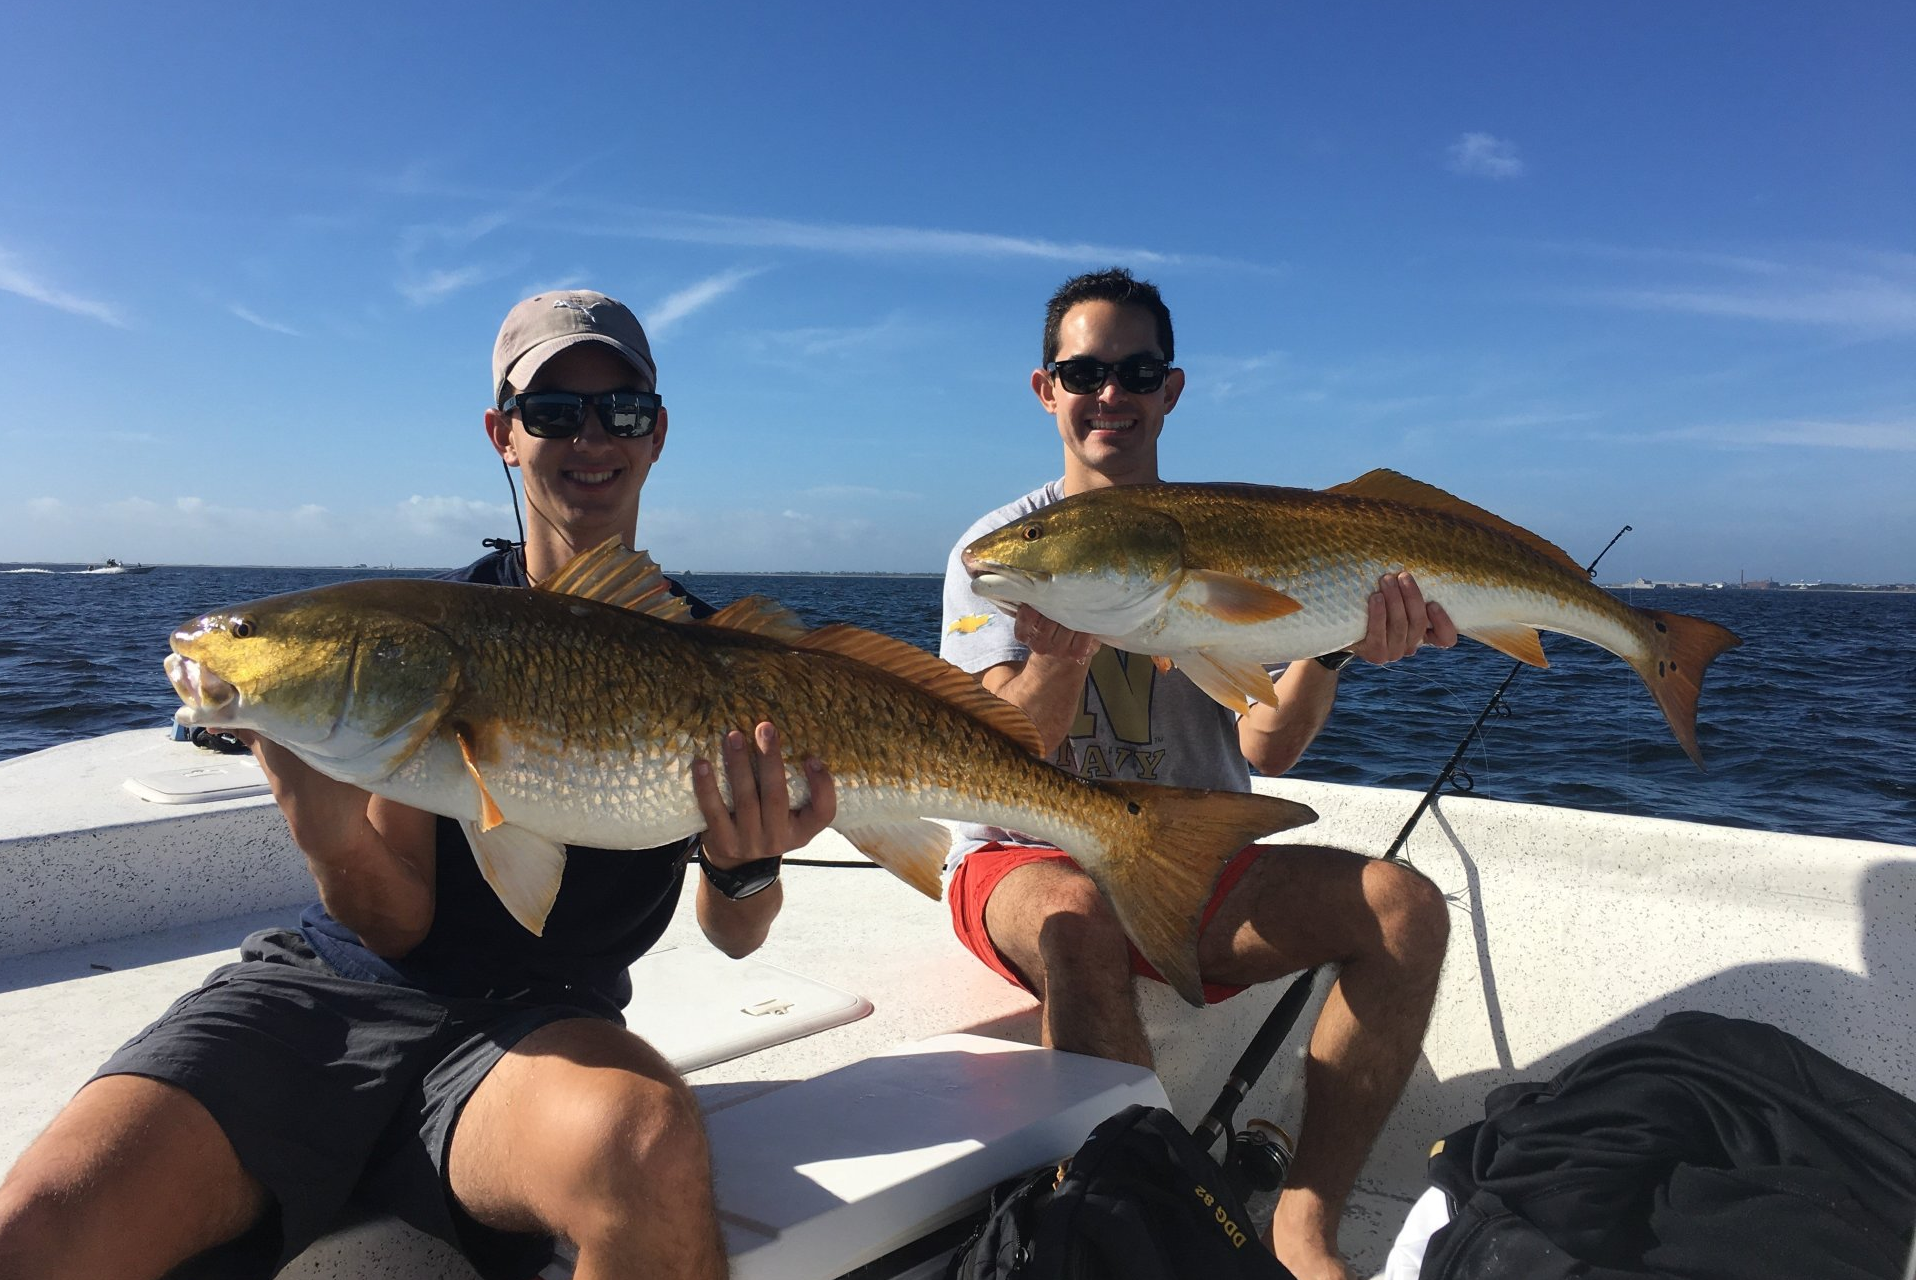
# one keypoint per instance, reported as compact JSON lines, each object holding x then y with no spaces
{"x":1030,"y":914}
{"x":410,"y":1045}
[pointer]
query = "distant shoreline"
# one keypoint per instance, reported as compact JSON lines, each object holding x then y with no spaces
{"x":58,"y":566}
{"x":61,"y":566}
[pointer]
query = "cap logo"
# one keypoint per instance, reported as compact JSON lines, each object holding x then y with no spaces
{"x":583,"y":308}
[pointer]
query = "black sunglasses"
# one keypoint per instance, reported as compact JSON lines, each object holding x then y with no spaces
{"x":555,"y":415}
{"x":1083,"y":376}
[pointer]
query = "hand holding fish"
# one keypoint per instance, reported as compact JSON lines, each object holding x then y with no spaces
{"x":1048,"y":639}
{"x":760,"y":823}
{"x":1401,"y":621}
{"x":1223,"y":580}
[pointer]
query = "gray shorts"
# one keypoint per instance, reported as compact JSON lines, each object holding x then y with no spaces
{"x":334,"y":1090}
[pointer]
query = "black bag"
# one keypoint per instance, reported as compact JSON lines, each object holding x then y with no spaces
{"x":1141,"y":1200}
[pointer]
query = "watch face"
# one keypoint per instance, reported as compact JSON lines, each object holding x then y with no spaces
{"x":741,"y":881}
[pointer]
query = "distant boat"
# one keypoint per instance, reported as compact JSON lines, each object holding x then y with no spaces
{"x":114,"y":566}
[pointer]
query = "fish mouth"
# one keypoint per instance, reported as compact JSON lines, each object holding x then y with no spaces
{"x":203,"y":695}
{"x":995,"y":581}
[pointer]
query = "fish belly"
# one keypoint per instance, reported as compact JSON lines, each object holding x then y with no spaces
{"x":1335,"y":615}
{"x":645,"y":799}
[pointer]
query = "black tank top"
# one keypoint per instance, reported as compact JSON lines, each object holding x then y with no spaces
{"x":612,"y":906}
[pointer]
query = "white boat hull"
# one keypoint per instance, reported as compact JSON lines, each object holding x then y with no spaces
{"x":1570,"y":929}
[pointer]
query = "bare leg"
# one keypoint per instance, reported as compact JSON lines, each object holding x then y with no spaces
{"x":1386,"y":927}
{"x":1049,"y":920}
{"x":584,"y":1131}
{"x":132,"y":1178}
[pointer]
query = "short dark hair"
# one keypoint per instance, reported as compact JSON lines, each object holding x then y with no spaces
{"x":1116,"y":285}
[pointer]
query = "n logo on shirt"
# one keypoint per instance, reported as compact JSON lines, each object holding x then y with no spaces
{"x":1123,"y":683}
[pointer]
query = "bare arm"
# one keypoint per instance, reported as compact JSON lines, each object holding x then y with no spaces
{"x":1401,"y":621}
{"x":371,"y":858}
{"x":1048,"y":685}
{"x":762,"y":825}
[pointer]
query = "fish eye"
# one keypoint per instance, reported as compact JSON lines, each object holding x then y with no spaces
{"x":1033,"y":532}
{"x":242,"y":628}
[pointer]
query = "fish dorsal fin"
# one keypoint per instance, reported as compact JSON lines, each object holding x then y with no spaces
{"x":612,"y":575}
{"x":1394,"y":486}
{"x":930,"y":673}
{"x":759,"y":616}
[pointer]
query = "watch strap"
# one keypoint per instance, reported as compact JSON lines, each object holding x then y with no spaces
{"x":743,"y":880}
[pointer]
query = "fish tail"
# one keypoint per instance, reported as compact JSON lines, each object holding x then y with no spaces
{"x":1164,"y":860}
{"x":1681,"y":647}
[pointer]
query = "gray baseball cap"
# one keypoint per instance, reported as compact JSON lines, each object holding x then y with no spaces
{"x":547,"y":323}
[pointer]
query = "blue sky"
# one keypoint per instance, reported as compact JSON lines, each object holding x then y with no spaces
{"x":1582,"y":264}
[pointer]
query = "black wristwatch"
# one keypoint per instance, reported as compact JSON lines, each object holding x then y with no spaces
{"x":743,"y":880}
{"x":1336,"y":661}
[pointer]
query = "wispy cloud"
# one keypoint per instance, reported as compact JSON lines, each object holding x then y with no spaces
{"x":16,"y":279}
{"x":437,"y":516}
{"x":190,"y":529}
{"x":1876,"y":306}
{"x":1866,"y":291}
{"x":431,"y":286}
{"x":421,"y":237}
{"x":865,"y":239}
{"x":259,"y":321}
{"x":1483,"y":155}
{"x":677,"y":306}
{"x":1880,"y":437}
{"x":805,"y":346}
{"x":421,"y":242}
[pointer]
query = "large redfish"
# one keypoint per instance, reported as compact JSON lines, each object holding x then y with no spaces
{"x":1219,"y":579}
{"x":564,"y":715}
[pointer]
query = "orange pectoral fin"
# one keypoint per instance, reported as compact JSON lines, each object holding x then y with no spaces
{"x":1231,"y":598}
{"x":489,"y":815}
{"x":1230,"y":682}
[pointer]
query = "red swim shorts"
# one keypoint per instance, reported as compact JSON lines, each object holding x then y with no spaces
{"x":980,"y":871}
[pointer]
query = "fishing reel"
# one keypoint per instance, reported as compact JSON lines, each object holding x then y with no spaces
{"x":1259,"y":1158}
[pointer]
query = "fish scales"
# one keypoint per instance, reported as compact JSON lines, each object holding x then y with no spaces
{"x":539,"y":719}
{"x":1221,"y":580}
{"x":619,"y":763}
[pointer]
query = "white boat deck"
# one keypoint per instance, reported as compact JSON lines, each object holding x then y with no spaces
{"x":1570,"y":930}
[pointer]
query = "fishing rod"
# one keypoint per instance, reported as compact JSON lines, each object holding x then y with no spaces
{"x":1258,"y":1158}
{"x":1450,"y":766}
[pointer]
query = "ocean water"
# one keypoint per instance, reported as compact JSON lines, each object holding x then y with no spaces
{"x":1809,"y":727}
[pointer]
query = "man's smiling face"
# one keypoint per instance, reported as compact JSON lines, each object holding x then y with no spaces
{"x":1110,"y":436}
{"x":588,"y":482}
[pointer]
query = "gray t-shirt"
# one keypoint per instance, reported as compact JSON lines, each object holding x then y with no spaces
{"x":1136,"y":723}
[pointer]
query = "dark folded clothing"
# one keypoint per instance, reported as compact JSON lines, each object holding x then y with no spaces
{"x":1707,"y":1147}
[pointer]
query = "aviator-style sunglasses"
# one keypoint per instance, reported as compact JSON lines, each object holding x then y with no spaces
{"x":1083,"y":376}
{"x":555,"y":415}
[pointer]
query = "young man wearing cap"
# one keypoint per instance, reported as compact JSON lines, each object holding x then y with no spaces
{"x":410,"y":1044}
{"x":1032,"y":916}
